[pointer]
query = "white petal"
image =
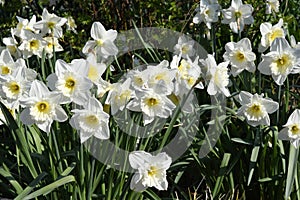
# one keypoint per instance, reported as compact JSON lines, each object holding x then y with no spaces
{"x":136,"y":183}
{"x":138,"y":159}
{"x":97,"y":31}
{"x":270,"y":105}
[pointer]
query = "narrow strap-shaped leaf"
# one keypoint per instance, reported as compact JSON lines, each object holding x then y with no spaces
{"x":11,"y":180}
{"x":48,"y":188}
{"x":31,"y":186}
{"x":222,"y":172}
{"x":292,"y":166}
{"x":254,"y":155}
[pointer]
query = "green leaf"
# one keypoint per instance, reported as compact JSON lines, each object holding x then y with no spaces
{"x":49,"y":188}
{"x":11,"y":179}
{"x":31,"y":186}
{"x":292,"y":166}
{"x":222,"y":172}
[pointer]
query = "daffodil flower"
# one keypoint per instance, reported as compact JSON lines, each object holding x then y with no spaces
{"x":291,"y":130}
{"x":91,"y":120}
{"x":152,"y":103}
{"x":15,"y":86}
{"x":52,"y":45}
{"x":42,"y":107}
{"x":269,"y":33}
{"x":207,"y":12}
{"x":272,"y":5}
{"x":184,"y":47}
{"x":151,"y":170}
{"x":280,"y":61}
{"x":51,"y":24}
{"x":240,"y":56}
{"x":70,"y":82}
{"x":24,"y":26}
{"x":103,"y":43}
{"x":119,"y":96}
{"x":217,"y":76}
{"x":32,"y":44}
{"x":237,"y":15}
{"x":255,"y":108}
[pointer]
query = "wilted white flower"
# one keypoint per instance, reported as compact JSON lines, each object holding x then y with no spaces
{"x":184,"y":47}
{"x":217,"y":76}
{"x":280,"y":61}
{"x":42,"y":107}
{"x":91,"y":120}
{"x":151,"y":170}
{"x":103,"y":43}
{"x":240,"y":56}
{"x":255,"y":108}
{"x":291,"y":131}
{"x":272,"y":5}
{"x":269,"y":33}
{"x":51,"y":24}
{"x":237,"y":15}
{"x":70,"y":81}
{"x":207,"y":12}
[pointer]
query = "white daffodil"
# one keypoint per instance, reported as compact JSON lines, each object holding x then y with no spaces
{"x":7,"y":63}
{"x":237,"y":15}
{"x":280,"y":61}
{"x":184,"y":47}
{"x":292,"y":129}
{"x":161,"y":74}
{"x":103,"y":43}
{"x":42,"y":107}
{"x":24,"y":26}
{"x":151,"y":170}
{"x":12,"y":46}
{"x":240,"y":56}
{"x":52,"y":45}
{"x":188,"y":72}
{"x":269,"y":33}
{"x":207,"y":12}
{"x":139,"y":78}
{"x":95,"y":69}
{"x":255,"y":108}
{"x":217,"y":76}
{"x":119,"y":96}
{"x":70,"y":82}
{"x":51,"y":24}
{"x":152,"y":103}
{"x":272,"y":5}
{"x":71,"y":25}
{"x":32,"y":44}
{"x":15,"y":86}
{"x":91,"y":120}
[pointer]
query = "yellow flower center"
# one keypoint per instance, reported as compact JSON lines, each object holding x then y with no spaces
{"x":5,"y":70}
{"x":70,"y":83}
{"x":152,"y":101}
{"x":92,"y":120}
{"x":276,"y":33}
{"x":185,"y":49}
{"x":152,"y":171}
{"x":240,"y":56}
{"x":282,"y":64}
{"x":51,"y":25}
{"x":295,"y":129}
{"x":255,"y":110}
{"x":238,"y":14}
{"x":14,"y":87}
{"x":43,"y":107}
{"x":100,"y":42}
{"x":34,"y":44}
